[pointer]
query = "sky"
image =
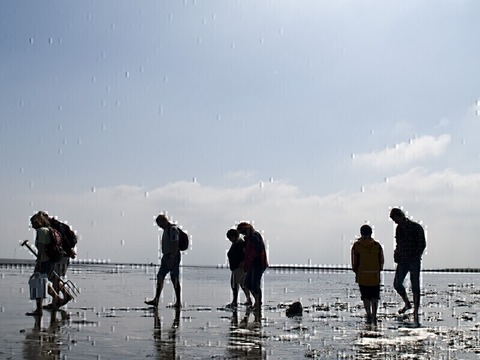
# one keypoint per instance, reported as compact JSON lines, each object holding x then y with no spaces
{"x":307,"y":118}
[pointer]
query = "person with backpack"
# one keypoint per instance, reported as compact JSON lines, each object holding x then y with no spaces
{"x":171,"y":258}
{"x":69,"y":242}
{"x":255,"y":263}
{"x":236,"y":257}
{"x":410,"y":244}
{"x":44,"y":265}
{"x":367,"y":263}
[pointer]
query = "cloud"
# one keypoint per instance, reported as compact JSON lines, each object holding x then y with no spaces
{"x":117,"y":223}
{"x":406,"y":153}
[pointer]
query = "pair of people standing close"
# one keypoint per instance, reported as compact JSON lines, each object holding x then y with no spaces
{"x":368,"y":259}
{"x":247,"y":271}
{"x":47,"y":268}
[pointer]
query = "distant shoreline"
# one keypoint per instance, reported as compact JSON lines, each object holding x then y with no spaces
{"x":331,"y":268}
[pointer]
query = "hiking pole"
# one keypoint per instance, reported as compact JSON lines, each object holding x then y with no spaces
{"x":68,"y":285}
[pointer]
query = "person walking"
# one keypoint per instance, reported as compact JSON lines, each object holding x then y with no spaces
{"x":170,"y":262}
{"x":367,"y":263}
{"x":410,"y":244}
{"x":236,"y":257}
{"x":69,"y":240}
{"x":255,"y":262}
{"x":43,"y":266}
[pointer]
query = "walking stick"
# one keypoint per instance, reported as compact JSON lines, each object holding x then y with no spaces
{"x":70,"y":288}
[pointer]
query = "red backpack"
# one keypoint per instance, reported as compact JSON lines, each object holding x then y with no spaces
{"x":54,"y":247}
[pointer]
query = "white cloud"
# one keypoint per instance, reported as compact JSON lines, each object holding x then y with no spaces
{"x":406,"y":152}
{"x":118,"y":223}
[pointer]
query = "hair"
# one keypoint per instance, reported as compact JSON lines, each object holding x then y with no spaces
{"x":244,"y":225}
{"x":161,"y":217}
{"x":366,"y":230}
{"x":397,"y":212}
{"x":42,"y":220}
{"x":233,"y":234}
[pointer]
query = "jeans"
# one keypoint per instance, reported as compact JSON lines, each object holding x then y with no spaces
{"x":412,"y":267}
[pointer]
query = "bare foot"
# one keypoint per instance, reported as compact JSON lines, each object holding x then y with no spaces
{"x":152,"y":303}
{"x":35,"y":313}
{"x":407,"y":307}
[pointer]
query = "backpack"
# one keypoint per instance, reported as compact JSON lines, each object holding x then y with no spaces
{"x":183,"y":239}
{"x":54,"y":247}
{"x":69,"y":238}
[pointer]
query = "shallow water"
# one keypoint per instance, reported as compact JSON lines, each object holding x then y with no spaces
{"x":108,"y":320}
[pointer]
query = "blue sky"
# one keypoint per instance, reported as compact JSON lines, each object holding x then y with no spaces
{"x":309,"y":118}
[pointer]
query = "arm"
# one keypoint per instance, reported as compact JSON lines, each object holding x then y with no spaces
{"x":354,"y":259}
{"x":422,"y":243}
{"x":381,"y":257}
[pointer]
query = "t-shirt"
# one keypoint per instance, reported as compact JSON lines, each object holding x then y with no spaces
{"x":42,"y":239}
{"x":170,"y":235}
{"x":236,"y":254}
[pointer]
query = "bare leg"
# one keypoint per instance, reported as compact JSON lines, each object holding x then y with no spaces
{"x":368,"y":311}
{"x":247,"y":295}
{"x":416,"y":307}
{"x":374,"y":310}
{"x":407,"y":305}
{"x":158,"y":291}
{"x":178,"y":290}
{"x":235,"y":296}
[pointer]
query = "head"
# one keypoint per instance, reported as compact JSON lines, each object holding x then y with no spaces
{"x":233,"y":235}
{"x":366,"y":231}
{"x":162,"y":221}
{"x":39,"y":220}
{"x":245,"y":228}
{"x":397,"y":215}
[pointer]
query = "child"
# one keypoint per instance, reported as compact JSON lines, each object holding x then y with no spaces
{"x":236,"y":256}
{"x":367,"y":263}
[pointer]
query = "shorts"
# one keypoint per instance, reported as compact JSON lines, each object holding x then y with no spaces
{"x":60,"y":267}
{"x":370,"y":292}
{"x":237,"y":278}
{"x":164,"y":270}
{"x":46,"y":267}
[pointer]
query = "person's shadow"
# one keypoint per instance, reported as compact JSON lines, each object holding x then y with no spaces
{"x":44,"y":343}
{"x":167,"y":346}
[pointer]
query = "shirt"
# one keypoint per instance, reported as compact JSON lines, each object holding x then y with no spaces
{"x":42,"y":239}
{"x":236,"y":254}
{"x":170,"y":235}
{"x":410,"y":239}
{"x":255,"y":254}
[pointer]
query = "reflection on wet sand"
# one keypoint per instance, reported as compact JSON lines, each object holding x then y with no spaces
{"x":45,"y":343}
{"x":165,"y":346}
{"x":245,"y":340}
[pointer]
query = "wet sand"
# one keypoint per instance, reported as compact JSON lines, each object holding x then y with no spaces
{"x":108,"y":319}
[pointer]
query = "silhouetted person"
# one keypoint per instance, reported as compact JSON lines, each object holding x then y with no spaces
{"x":43,"y":266}
{"x":410,"y":244}
{"x":170,"y":262}
{"x":367,"y":263}
{"x":236,"y":257}
{"x":255,"y":262}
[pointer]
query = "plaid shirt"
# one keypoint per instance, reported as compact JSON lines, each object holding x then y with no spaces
{"x":410,"y":239}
